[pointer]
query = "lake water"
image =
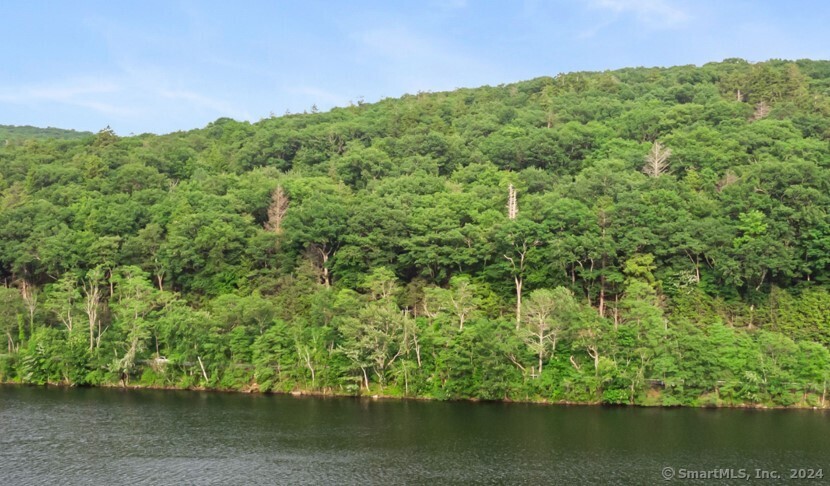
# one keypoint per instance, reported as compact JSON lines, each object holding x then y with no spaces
{"x":110,"y":436}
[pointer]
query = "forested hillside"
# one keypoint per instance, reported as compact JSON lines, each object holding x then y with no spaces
{"x":16,"y":134}
{"x":648,"y":236}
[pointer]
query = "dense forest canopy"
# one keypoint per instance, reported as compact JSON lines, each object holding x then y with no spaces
{"x":645,"y":235}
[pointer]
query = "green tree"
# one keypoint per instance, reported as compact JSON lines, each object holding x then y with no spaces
{"x":547,"y":313}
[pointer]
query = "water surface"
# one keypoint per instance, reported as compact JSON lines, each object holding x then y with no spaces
{"x":110,"y":436}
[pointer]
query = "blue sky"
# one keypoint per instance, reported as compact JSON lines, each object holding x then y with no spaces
{"x":162,"y":66}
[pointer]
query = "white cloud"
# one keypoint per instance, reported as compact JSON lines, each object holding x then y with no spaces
{"x":82,"y":93}
{"x":132,"y":96}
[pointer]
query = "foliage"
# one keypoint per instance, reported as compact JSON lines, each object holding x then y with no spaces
{"x":670,"y":244}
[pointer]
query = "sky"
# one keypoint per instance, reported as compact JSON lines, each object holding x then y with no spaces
{"x":164,"y":66}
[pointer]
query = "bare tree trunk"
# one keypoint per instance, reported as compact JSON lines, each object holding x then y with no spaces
{"x":763,"y":276}
{"x":519,"y":284}
{"x":202,"y":366}
{"x":326,"y":278}
{"x":593,"y":352}
{"x":29,"y":295}
{"x":277,"y":210}
{"x":92,"y":325}
{"x":310,"y":366}
{"x":417,"y":350}
{"x":100,"y":334}
{"x":696,"y":262}
{"x":512,"y":205}
{"x":93,"y":299}
{"x":518,"y":276}
{"x":516,"y":362}
{"x":697,"y":269}
{"x":602,"y":296}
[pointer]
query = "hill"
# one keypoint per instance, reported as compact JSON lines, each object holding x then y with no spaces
{"x":12,"y":133}
{"x":667,"y":243}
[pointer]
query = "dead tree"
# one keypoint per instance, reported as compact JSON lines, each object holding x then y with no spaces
{"x":29,"y":294}
{"x":727,"y":180}
{"x":277,"y":210}
{"x":512,"y":205}
{"x":521,"y":248}
{"x":762,"y":110}
{"x":657,"y":160}
{"x":92,"y":303}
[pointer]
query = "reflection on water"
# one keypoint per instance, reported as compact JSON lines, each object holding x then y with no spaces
{"x":108,"y":436}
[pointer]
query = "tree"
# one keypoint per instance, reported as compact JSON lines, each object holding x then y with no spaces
{"x":460,"y":300}
{"x":360,"y":164}
{"x":273,"y":357}
{"x":272,"y":255}
{"x":93,"y":295}
{"x":376,"y":339}
{"x":547,"y":313}
{"x":147,"y":246}
{"x":11,"y":312}
{"x":134,"y":300}
{"x":759,"y":251}
{"x":589,"y":333}
{"x":318,"y":225}
{"x":63,"y":300}
{"x":277,"y":210}
{"x":519,"y":240}
{"x":657,"y":160}
{"x":29,"y":293}
{"x":380,"y":333}
{"x":512,"y":205}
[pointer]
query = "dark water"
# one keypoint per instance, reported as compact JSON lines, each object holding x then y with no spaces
{"x":95,"y":436}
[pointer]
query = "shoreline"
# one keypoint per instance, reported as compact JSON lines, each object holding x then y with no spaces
{"x":385,"y":397}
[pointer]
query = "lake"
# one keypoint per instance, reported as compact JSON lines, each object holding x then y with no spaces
{"x":111,"y":436}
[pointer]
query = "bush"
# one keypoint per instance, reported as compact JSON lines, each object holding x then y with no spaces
{"x":615,"y":397}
